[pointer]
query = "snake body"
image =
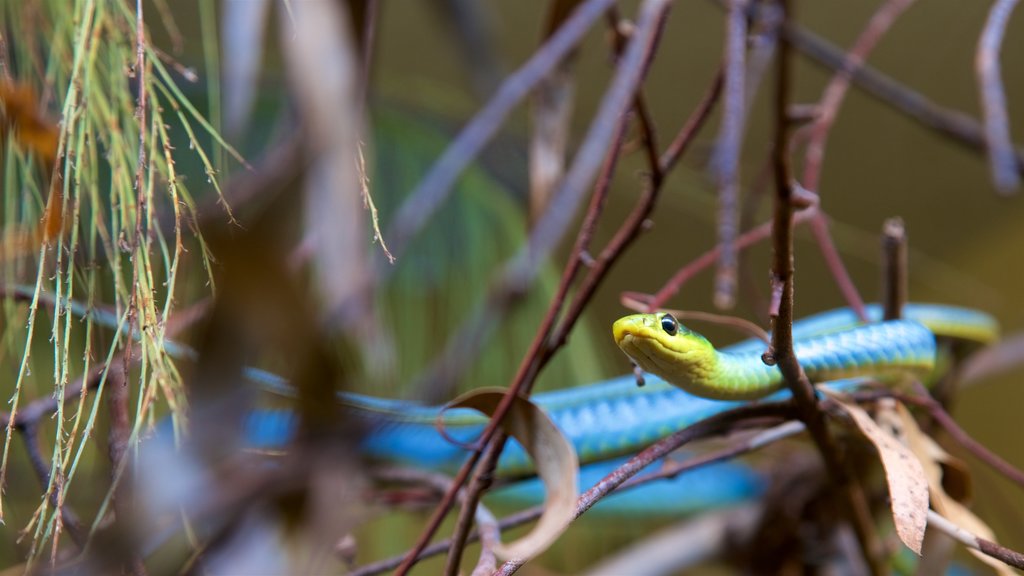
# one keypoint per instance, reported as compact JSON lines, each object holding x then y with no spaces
{"x":615,"y":417}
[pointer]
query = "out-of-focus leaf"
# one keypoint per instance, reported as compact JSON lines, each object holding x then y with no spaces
{"x":323,"y":73}
{"x":435,"y":284}
{"x":932,"y":457}
{"x":683,"y":546}
{"x":908,"y":485}
{"x":243,"y":30}
{"x":554,"y":458}
{"x":1006,"y":355}
{"x":28,"y":123}
{"x":551,"y":115}
{"x":31,"y":128}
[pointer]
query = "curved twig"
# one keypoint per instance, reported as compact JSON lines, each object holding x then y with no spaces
{"x":1001,"y":154}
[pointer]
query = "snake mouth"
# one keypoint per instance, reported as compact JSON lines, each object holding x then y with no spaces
{"x":636,"y":340}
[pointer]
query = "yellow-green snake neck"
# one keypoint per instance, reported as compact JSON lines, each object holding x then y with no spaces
{"x":660,"y":345}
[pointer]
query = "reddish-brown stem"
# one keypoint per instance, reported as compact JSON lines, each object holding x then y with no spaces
{"x":835,"y":92}
{"x":947,"y":122}
{"x":481,"y":480}
{"x":549,"y":229}
{"x":714,"y":425}
{"x":923,"y":399}
{"x":681,"y":277}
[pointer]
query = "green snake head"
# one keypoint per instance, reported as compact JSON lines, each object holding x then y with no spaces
{"x":659,"y":344}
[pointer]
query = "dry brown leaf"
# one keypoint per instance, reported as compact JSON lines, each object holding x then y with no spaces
{"x":908,"y":484}
{"x":933,"y":457}
{"x":28,"y":122}
{"x":554,"y":458}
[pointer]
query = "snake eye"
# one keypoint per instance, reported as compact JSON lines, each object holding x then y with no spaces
{"x":669,"y":324}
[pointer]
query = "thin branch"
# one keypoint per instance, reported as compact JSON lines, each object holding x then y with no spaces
{"x":894,"y":275}
{"x":1001,"y":553}
{"x":554,"y":222}
{"x":781,"y":350}
{"x":702,"y":262}
{"x":436,"y":185}
{"x":923,"y":399}
{"x":727,"y":153}
{"x":835,"y":92}
{"x":711,"y":426}
{"x":489,"y":527}
{"x":1001,"y":153}
{"x":640,"y":107}
{"x":947,"y":122}
{"x":753,"y":443}
{"x":686,"y":135}
{"x":68,"y":518}
{"x":121,"y":481}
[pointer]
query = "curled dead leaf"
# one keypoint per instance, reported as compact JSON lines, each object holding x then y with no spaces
{"x":556,"y":464}
{"x":908,"y":484}
{"x":944,"y":472}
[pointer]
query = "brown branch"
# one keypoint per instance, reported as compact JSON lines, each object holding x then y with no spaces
{"x":781,"y":350}
{"x":1001,"y":153}
{"x":554,"y":222}
{"x":835,"y":92}
{"x":894,"y":275}
{"x":120,"y":472}
{"x":687,"y":272}
{"x":711,"y":426}
{"x":686,"y":135}
{"x":70,"y":520}
{"x":938,"y":413}
{"x":538,"y":353}
{"x":1001,"y":553}
{"x":530,"y":514}
{"x":947,"y":122}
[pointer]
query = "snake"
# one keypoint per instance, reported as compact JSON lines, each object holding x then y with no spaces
{"x":688,"y":380}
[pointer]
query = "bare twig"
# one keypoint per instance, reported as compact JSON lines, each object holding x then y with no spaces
{"x":120,"y":473}
{"x":1001,"y":553}
{"x":923,"y":399}
{"x":714,"y":425}
{"x":552,"y":225}
{"x":835,"y":92}
{"x":520,"y":518}
{"x":950,"y":123}
{"x":687,"y":272}
{"x":435,"y":186}
{"x":1001,"y":154}
{"x":439,"y":482}
{"x":727,"y":153}
{"x":68,"y":518}
{"x":894,"y":276}
{"x":481,"y":481}
{"x":685,"y":136}
{"x":781,"y":350}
